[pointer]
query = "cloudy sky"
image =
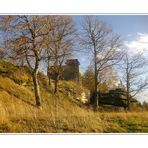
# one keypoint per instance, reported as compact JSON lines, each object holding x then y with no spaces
{"x":132,"y":28}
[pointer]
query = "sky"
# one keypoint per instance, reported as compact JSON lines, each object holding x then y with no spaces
{"x":134,"y":32}
{"x":132,"y":28}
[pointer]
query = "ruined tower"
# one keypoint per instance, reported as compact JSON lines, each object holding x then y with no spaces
{"x":71,"y":70}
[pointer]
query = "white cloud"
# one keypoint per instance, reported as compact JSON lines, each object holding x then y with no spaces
{"x":129,"y":35}
{"x":140,"y":44}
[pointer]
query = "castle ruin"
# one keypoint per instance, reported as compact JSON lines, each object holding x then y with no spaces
{"x":71,"y":70}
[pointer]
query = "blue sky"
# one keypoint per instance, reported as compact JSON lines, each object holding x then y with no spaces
{"x":124,"y":24}
{"x":132,"y":28}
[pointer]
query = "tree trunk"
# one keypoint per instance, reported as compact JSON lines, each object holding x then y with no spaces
{"x":96,"y":79}
{"x":128,"y":88}
{"x":49,"y":76}
{"x":35,"y":80}
{"x":99,"y":97}
{"x":48,"y":70}
{"x":128,"y":102}
{"x":56,"y":83}
{"x":36,"y":89}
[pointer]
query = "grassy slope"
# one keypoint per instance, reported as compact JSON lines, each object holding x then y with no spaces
{"x":60,"y":113}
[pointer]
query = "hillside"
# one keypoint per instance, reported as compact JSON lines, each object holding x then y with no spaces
{"x":60,"y":113}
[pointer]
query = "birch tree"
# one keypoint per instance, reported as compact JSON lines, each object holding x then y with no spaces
{"x":98,"y":38}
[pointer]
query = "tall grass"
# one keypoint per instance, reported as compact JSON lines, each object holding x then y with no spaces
{"x":59,"y":113}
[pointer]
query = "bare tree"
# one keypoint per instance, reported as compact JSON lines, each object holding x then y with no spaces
{"x":98,"y":38}
{"x":59,"y":45}
{"x":23,"y":36}
{"x":133,"y":71}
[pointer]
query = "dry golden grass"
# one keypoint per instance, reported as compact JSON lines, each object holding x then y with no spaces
{"x":60,"y":113}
